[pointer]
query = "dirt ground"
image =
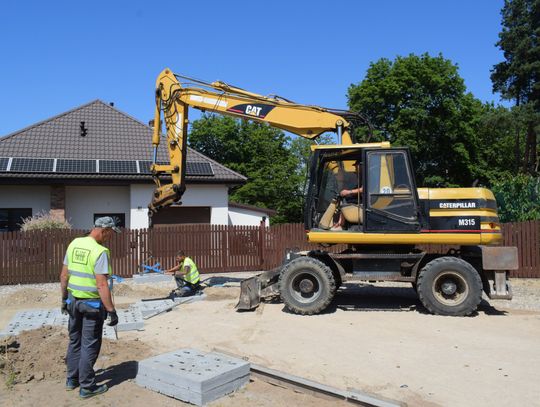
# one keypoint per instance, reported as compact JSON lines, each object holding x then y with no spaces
{"x":375,"y":339}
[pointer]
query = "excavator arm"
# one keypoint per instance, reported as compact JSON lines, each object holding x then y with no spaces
{"x":174,"y":100}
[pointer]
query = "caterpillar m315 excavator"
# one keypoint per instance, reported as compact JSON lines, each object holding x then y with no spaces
{"x":382,"y":218}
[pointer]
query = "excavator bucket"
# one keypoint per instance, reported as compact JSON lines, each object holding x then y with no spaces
{"x":257,"y":288}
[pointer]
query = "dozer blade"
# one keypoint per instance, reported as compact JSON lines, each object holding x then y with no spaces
{"x":253,"y":289}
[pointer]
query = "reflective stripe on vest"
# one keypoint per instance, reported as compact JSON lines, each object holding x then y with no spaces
{"x":193,"y":276}
{"x":82,"y":255}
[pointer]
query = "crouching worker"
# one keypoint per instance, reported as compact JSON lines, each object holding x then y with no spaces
{"x":186,"y":275}
{"x":86,"y":297}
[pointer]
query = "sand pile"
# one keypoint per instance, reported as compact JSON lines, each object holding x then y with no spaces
{"x":40,"y":355}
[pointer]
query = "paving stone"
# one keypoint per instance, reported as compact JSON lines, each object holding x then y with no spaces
{"x":129,"y":320}
{"x":109,"y":332}
{"x":34,"y":319}
{"x":30,"y":319}
{"x":151,"y":278}
{"x":193,"y":376}
{"x":149,"y":309}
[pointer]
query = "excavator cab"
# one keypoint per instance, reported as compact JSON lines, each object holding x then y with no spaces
{"x":360,"y":189}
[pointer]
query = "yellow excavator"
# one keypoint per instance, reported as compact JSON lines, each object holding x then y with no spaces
{"x":359,"y":194}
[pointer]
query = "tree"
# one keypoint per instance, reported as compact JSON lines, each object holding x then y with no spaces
{"x":262,"y":154}
{"x":518,"y":198}
{"x":517,"y":78}
{"x":420,"y":102}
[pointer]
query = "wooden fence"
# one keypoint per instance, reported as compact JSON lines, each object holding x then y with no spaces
{"x":37,"y":257}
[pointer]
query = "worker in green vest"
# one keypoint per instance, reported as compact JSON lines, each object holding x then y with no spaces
{"x":186,"y":275}
{"x":87,"y":298}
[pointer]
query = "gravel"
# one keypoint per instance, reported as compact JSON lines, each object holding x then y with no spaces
{"x":526,"y":291}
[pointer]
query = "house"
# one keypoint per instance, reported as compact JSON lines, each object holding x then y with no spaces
{"x":94,"y":161}
{"x":249,"y":215}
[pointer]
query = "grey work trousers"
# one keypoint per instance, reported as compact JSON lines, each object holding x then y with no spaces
{"x":85,"y":333}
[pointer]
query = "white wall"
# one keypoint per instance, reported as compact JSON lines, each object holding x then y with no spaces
{"x":37,"y":197}
{"x":240,"y":216}
{"x":215,"y":196}
{"x":83,"y":201}
{"x":140,"y":196}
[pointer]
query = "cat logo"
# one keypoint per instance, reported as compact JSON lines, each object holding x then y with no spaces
{"x":253,"y":110}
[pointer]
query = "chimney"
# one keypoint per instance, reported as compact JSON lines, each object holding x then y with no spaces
{"x":84,"y":130}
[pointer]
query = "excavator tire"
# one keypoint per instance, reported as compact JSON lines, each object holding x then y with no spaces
{"x":449,"y":286}
{"x":307,"y":286}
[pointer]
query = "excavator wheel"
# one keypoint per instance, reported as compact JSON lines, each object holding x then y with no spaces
{"x":306,"y":286}
{"x":449,"y":286}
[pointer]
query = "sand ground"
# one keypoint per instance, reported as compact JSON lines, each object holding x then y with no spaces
{"x":388,"y":346}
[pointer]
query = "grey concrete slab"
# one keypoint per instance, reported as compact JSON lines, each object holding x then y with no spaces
{"x":189,"y":396}
{"x":34,"y":319}
{"x":129,"y":320}
{"x":151,"y":278}
{"x":30,"y":319}
{"x":193,"y":376}
{"x":149,"y":309}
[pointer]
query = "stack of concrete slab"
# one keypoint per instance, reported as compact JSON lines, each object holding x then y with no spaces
{"x":151,"y":278}
{"x":37,"y":318}
{"x":193,"y":376}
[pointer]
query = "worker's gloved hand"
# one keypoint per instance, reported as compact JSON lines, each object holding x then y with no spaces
{"x":64,"y":308}
{"x":113,"y":318}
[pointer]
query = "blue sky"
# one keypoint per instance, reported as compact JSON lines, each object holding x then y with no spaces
{"x":57,"y":55}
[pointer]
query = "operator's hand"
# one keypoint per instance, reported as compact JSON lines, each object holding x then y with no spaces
{"x":345,"y":192}
{"x":113,"y":318}
{"x":63,"y":308}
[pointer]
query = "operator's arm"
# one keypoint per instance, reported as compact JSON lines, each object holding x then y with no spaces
{"x":348,"y":192}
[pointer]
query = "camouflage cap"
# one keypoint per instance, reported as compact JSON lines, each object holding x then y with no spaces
{"x":106,"y":222}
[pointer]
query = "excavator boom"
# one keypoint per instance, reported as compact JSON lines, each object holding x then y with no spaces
{"x":174,"y":100}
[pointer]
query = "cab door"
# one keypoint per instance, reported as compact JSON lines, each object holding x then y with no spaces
{"x":390,"y":195}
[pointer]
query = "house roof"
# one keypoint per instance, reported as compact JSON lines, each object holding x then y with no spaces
{"x":111,"y":135}
{"x":269,"y":212}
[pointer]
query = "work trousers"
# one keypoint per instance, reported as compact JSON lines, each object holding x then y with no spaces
{"x":85,"y":334}
{"x":186,"y":289}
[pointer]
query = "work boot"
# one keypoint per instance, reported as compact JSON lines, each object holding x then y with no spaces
{"x":94,"y":391}
{"x":72,"y":384}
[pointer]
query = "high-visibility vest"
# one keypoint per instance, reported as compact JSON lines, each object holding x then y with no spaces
{"x":82,"y":254}
{"x":193,"y":276}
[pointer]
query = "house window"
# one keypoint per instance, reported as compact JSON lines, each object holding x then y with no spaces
{"x":119,"y":218}
{"x":12,"y":218}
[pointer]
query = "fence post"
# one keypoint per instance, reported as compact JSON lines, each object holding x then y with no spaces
{"x":262,"y":237}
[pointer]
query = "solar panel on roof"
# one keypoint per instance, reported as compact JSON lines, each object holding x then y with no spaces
{"x":4,"y":163}
{"x":144,"y":166}
{"x":192,"y":168}
{"x":32,"y":165}
{"x":75,"y":166}
{"x":117,"y":167}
